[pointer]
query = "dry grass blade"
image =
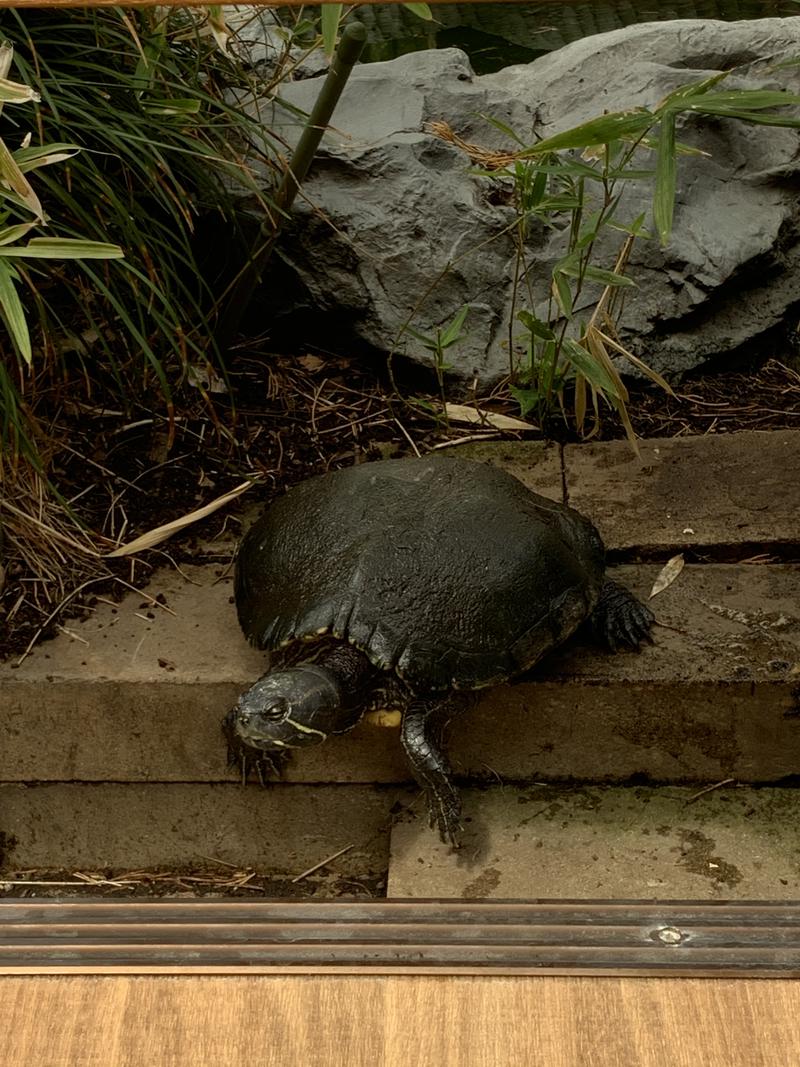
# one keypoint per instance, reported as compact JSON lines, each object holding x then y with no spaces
{"x":653,"y":375}
{"x":322,"y":863}
{"x":489,"y":159}
{"x":710,"y":789}
{"x":43,"y":538}
{"x":161,"y":533}
{"x":595,"y":345}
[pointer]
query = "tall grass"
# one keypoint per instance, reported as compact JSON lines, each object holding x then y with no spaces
{"x":145,"y":96}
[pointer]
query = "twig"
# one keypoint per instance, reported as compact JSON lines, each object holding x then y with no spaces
{"x":72,"y":634}
{"x":322,"y":863}
{"x":466,"y":440}
{"x":407,"y":436}
{"x":709,"y":789}
{"x":62,"y":604}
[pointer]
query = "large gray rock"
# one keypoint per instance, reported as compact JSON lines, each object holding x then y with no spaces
{"x":393,"y":228}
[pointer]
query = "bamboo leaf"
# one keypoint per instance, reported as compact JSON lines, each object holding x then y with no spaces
{"x":330,"y":14}
{"x":422,"y":11}
{"x":745,"y":100}
{"x":608,"y":277}
{"x":653,"y":375}
{"x":597,"y":131}
{"x":502,"y":127}
{"x":43,"y":155}
{"x":177,"y":106}
{"x":13,"y":233}
{"x":600,"y":353}
{"x":755,"y":117}
{"x":14,"y":313}
{"x":15,"y":93}
{"x":583,"y":361}
{"x":562,"y":293}
{"x":62,"y":248}
{"x":580,"y":402}
{"x":666,"y":177}
{"x":678,"y":97}
{"x":536,"y":326}
{"x":452,"y":332}
{"x":528,"y":399}
{"x":12,"y":176}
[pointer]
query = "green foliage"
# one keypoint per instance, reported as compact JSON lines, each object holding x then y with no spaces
{"x":134,"y":108}
{"x":437,"y":345}
{"x":18,"y":198}
{"x":331,"y":19}
{"x":563,"y":346}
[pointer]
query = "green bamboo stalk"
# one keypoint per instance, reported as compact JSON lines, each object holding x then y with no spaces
{"x":346,"y":57}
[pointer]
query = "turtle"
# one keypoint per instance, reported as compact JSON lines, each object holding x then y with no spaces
{"x":410,"y":584}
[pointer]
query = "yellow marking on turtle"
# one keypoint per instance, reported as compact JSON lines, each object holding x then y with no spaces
{"x":384,"y":717}
{"x":305,"y":729}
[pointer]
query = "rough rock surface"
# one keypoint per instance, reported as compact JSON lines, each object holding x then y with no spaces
{"x":416,"y":236}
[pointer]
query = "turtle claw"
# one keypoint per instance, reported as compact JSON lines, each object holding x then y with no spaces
{"x":248,"y":758}
{"x":620,"y":620}
{"x":444,"y":810}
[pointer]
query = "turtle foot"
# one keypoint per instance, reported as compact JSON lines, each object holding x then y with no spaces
{"x":444,"y":808}
{"x":620,"y":620}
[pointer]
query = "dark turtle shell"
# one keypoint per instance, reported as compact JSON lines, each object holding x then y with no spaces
{"x":450,"y":572}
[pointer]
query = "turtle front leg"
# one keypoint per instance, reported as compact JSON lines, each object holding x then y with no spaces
{"x":421,"y":733}
{"x":619,"y":618}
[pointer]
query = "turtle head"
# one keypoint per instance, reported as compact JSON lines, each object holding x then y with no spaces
{"x":291,"y":708}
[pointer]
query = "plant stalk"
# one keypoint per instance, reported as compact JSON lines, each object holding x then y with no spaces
{"x":350,"y":46}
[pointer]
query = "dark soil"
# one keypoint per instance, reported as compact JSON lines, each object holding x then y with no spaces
{"x":125,"y":473}
{"x":193,"y":882}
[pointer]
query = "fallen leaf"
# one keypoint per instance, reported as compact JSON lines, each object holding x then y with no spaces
{"x":311,"y":363}
{"x":669,"y":572}
{"x":161,"y":533}
{"x":476,"y":417}
{"x":205,"y":378}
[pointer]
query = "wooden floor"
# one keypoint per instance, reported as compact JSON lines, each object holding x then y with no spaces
{"x":394,"y":1021}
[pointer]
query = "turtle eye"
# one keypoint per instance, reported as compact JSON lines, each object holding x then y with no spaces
{"x":277,"y":710}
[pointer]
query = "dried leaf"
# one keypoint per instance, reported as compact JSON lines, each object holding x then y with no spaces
{"x":475,"y":417}
{"x":161,"y":533}
{"x":669,"y":572}
{"x":311,"y":363}
{"x":203,"y":376}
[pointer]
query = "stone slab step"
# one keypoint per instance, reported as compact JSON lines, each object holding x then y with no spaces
{"x":693,"y":493}
{"x":141,"y":695}
{"x":128,"y":827}
{"x":690,"y":492}
{"x":667,"y":843}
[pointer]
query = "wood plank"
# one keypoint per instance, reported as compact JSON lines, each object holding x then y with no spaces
{"x":382,"y":1022}
{"x":400,"y":937}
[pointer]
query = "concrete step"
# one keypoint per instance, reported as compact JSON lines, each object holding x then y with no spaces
{"x":701,"y":494}
{"x":666,"y":843}
{"x":141,"y":694}
{"x":281,"y":831}
{"x":112,"y":754}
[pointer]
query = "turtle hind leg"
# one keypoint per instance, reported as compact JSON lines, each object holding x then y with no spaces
{"x":421,"y":733}
{"x":620,"y":619}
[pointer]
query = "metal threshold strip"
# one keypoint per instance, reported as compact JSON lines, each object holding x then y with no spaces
{"x":579,"y":937}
